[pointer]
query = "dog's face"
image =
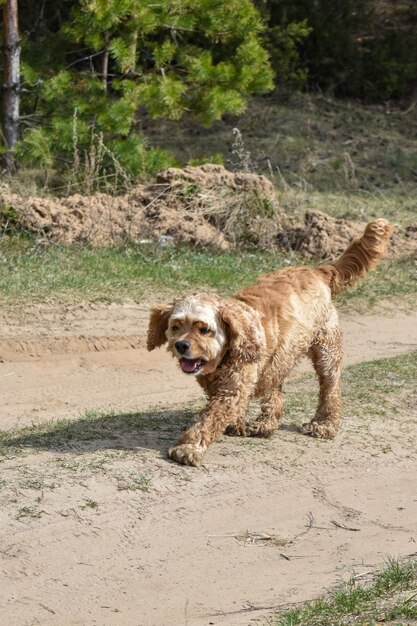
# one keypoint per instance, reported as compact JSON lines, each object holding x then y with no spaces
{"x":200,"y":329}
{"x":196,"y":335}
{"x":194,"y":330}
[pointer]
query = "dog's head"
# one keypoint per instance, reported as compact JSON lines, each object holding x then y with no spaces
{"x":201,"y":329}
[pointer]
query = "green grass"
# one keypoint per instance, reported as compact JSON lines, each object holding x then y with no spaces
{"x":32,"y":273}
{"x":397,"y":207}
{"x":133,"y":482}
{"x":392,"y":282}
{"x":29,"y":511}
{"x":39,"y":484}
{"x":340,"y":157}
{"x":90,"y":504}
{"x":378,"y":389}
{"x":390,"y":597}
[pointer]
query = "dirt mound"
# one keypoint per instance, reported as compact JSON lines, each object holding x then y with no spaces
{"x":324,"y":237}
{"x":101,"y":219}
{"x":240,"y":205}
{"x":210,"y":176}
{"x":206,"y":205}
{"x":321,"y":236}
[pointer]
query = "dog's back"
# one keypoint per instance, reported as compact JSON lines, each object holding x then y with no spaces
{"x":296,"y":302}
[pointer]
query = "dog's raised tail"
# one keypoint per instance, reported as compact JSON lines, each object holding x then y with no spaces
{"x":361,"y":256}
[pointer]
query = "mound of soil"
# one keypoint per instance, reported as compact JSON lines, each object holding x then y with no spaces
{"x":210,"y":176}
{"x":101,"y":219}
{"x":186,"y":206}
{"x":325,"y":237}
{"x":206,"y":205}
{"x":321,"y":236}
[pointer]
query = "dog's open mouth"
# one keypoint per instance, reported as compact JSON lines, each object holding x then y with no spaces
{"x":191,"y":366}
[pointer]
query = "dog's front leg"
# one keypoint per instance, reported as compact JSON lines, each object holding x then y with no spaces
{"x":224,"y":408}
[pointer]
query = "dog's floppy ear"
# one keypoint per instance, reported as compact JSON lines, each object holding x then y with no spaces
{"x":245,"y":332}
{"x":158,"y":325}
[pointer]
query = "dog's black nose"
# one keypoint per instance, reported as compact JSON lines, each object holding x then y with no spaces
{"x":182,"y":346}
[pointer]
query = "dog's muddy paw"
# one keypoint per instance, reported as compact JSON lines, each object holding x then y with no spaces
{"x":260,"y":429}
{"x":236,"y":430}
{"x":320,"y":430}
{"x":187,"y":454}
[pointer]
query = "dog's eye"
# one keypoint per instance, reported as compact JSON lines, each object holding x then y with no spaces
{"x":204,"y":331}
{"x":174,"y":328}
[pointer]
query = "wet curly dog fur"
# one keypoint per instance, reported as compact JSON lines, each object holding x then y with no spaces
{"x":244,"y":347}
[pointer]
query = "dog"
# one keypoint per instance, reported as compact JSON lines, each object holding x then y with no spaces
{"x":245,"y":346}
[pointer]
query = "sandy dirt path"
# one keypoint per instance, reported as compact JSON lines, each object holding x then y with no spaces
{"x":58,"y":361}
{"x":114,"y":534}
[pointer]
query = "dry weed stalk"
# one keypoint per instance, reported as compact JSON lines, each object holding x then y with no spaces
{"x":89,"y":174}
{"x":243,"y":158}
{"x":349,"y":172}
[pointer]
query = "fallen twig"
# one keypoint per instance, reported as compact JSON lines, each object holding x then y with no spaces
{"x":338,"y":525}
{"x":256,"y":538}
{"x":47,"y":608}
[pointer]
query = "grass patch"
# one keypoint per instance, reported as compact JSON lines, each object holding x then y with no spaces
{"x":373,"y":389}
{"x":29,"y":512}
{"x":38,"y":484}
{"x":392,"y":282}
{"x":346,"y":159}
{"x":90,"y":504}
{"x":30,"y":273}
{"x":71,"y":273}
{"x":133,"y":482}
{"x":390,"y":597}
{"x":395,"y":206}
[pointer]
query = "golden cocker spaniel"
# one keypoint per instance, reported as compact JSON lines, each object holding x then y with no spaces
{"x":245,"y":346}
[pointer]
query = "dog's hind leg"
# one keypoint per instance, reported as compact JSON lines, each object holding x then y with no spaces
{"x":263,"y":426}
{"x":239,"y":428}
{"x":271,"y":413}
{"x":326,"y":354}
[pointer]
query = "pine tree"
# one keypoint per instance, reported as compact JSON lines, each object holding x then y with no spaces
{"x":174,"y":57}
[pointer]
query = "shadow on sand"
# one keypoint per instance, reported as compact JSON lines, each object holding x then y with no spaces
{"x":152,"y":429}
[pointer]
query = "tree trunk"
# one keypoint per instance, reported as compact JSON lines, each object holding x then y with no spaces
{"x":11,"y":82}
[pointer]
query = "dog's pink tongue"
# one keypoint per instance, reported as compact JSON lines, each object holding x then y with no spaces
{"x":188,"y":365}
